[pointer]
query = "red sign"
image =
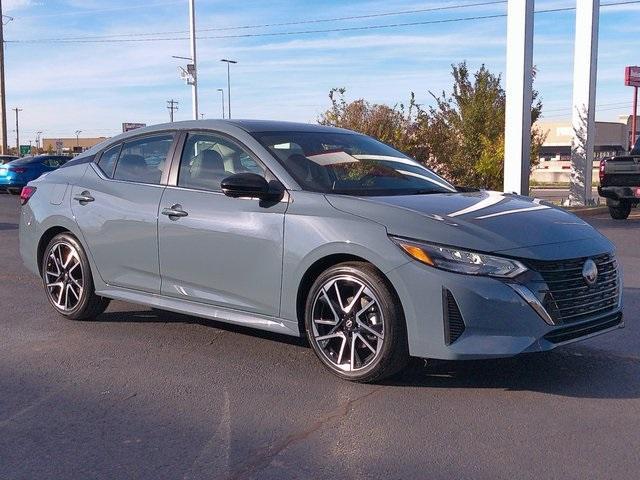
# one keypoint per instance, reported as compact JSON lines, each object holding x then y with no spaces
{"x":632,"y":76}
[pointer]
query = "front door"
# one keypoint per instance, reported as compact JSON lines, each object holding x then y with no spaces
{"x":221,"y":251}
{"x":116,"y":208}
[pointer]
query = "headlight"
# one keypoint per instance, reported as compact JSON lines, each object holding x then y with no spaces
{"x":460,"y":261}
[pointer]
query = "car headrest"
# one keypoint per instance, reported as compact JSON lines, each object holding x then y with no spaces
{"x":211,"y":160}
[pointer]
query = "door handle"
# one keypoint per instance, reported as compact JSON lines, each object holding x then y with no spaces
{"x":174,"y":212}
{"x":84,"y":198}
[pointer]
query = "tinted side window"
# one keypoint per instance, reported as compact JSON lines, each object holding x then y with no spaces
{"x":143,"y":160}
{"x":108,"y":160}
{"x":207,"y":159}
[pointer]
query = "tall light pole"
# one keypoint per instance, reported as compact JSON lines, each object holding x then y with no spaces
{"x":221,"y":90}
{"x":38,"y":139}
{"x":192,"y":30}
{"x":229,"y":62}
{"x":3,"y":103}
{"x":17,"y":110}
{"x":78,"y":132}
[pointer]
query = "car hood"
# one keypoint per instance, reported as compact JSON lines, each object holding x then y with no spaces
{"x":484,"y":221}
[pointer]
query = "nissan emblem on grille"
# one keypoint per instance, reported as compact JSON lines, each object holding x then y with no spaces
{"x":590,"y":272}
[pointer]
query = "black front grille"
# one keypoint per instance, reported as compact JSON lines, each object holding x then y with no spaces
{"x":564,"y":334}
{"x":569,"y":298}
{"x":453,"y":322}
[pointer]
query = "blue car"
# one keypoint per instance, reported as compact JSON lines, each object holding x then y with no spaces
{"x":17,"y":173}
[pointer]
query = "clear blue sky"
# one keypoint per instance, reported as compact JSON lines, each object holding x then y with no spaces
{"x":95,"y":87}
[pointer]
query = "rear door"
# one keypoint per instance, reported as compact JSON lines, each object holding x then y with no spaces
{"x":116,"y":208}
{"x":220,"y":250}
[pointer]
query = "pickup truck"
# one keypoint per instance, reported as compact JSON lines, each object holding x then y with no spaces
{"x":620,"y":182}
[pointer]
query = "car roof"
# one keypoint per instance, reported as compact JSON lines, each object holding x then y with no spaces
{"x":249,"y":126}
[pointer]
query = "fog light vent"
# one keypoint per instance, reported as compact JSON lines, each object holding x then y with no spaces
{"x":453,"y":322}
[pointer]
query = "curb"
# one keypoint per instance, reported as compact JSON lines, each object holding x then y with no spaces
{"x":588,"y":211}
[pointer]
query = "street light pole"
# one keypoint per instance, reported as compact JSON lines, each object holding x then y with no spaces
{"x":17,"y":110}
{"x":229,"y":62}
{"x":78,"y":132}
{"x":221,"y":90}
{"x":192,"y":30}
{"x":38,"y":139}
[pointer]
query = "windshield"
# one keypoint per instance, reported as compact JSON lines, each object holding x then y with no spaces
{"x":350,"y":164}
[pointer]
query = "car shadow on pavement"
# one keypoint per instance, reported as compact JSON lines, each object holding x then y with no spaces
{"x":579,"y":372}
{"x":154,"y":315}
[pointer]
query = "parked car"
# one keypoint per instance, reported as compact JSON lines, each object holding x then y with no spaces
{"x":620,"y":183}
{"x":311,"y":230}
{"x":17,"y":173}
{"x":7,"y":158}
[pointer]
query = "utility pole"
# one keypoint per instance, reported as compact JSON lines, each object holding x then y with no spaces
{"x":221,"y":90}
{"x":192,"y":30}
{"x":229,"y":62}
{"x":172,"y":106}
{"x":3,"y":102}
{"x":17,"y":110}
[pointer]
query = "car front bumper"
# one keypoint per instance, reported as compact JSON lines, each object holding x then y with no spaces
{"x":498,"y":321}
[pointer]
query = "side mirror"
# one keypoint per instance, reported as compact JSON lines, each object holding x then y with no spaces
{"x":247,"y":185}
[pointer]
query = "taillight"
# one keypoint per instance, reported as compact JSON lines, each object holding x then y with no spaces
{"x":26,"y":193}
{"x":17,"y":169}
{"x":603,"y":166}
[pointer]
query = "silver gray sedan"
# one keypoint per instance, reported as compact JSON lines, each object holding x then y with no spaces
{"x":310,"y":230}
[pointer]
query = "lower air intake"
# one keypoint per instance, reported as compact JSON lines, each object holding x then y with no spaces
{"x":453,"y":322}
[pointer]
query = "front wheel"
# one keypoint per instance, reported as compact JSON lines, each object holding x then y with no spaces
{"x":355,"y":324}
{"x":620,"y":211}
{"x":66,"y":275}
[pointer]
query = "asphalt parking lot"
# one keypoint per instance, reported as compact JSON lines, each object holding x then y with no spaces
{"x":142,"y":394}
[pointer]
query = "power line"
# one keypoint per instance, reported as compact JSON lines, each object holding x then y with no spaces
{"x":298,"y":22}
{"x":305,"y":32}
{"x":568,"y":109}
{"x":98,"y":10}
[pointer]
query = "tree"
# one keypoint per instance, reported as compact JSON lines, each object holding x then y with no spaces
{"x":461,"y":135}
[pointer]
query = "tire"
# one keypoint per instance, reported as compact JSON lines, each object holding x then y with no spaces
{"x":621,"y":211}
{"x":67,"y":279}
{"x":354,"y":304}
{"x":14,"y":191}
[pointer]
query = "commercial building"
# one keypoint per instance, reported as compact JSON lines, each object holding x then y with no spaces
{"x":612,"y":138}
{"x":70,"y":145}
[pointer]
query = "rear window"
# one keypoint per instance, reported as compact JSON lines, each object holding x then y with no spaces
{"x":24,"y":161}
{"x":108,"y":159}
{"x":143,"y":160}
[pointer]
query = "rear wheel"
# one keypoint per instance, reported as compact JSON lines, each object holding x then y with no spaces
{"x":354,"y":323}
{"x":620,"y":211}
{"x":66,"y":275}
